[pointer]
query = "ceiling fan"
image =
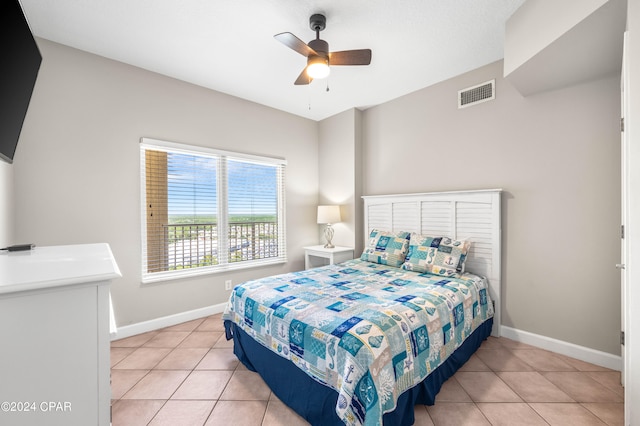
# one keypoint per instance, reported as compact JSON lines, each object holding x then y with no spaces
{"x":317,"y":52}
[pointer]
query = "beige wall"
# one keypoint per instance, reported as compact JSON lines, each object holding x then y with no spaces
{"x":574,"y":41}
{"x":340,"y":146}
{"x":558,"y":17}
{"x":557,"y":157}
{"x":77,"y":167}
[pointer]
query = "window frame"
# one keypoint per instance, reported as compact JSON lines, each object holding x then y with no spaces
{"x":222,"y":210}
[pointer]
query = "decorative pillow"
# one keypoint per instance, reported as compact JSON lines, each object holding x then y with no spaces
{"x":436,"y":255}
{"x":386,"y":248}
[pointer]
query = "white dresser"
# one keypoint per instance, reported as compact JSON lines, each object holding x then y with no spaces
{"x":54,"y":335}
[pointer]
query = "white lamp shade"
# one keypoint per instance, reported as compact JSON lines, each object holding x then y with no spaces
{"x":329,"y":214}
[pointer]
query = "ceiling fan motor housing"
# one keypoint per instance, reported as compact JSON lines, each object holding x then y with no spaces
{"x":320,"y":46}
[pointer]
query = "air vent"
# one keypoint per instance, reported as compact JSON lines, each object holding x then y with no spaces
{"x":477,"y":94}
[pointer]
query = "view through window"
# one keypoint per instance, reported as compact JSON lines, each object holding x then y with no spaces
{"x":207,"y":210}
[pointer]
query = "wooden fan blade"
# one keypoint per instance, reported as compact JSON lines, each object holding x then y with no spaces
{"x":350,"y":57}
{"x":303,"y":78}
{"x":295,"y":43}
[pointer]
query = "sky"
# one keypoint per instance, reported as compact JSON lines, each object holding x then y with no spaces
{"x":193,"y":189}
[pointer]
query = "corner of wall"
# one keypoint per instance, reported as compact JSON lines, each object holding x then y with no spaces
{"x":359,"y":191}
{"x":337,"y":170}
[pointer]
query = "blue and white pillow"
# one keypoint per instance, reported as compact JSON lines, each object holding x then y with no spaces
{"x":436,"y":255}
{"x":386,"y":248}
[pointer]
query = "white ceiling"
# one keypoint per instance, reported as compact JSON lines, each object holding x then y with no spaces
{"x":228,"y":45}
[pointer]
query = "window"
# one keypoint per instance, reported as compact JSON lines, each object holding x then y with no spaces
{"x":207,"y":210}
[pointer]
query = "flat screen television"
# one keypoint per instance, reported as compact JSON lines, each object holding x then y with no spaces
{"x":20,"y":64}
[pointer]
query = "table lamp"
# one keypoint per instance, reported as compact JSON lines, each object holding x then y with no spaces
{"x":328,"y":215}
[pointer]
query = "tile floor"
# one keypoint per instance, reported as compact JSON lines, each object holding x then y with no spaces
{"x":187,"y":375}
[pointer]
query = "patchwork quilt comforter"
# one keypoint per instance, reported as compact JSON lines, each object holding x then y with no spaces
{"x":367,"y":330}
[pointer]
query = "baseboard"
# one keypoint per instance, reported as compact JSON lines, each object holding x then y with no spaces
{"x":168,"y":321}
{"x":582,"y":353}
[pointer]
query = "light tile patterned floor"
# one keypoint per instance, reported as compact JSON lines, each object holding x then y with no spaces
{"x":187,"y":375}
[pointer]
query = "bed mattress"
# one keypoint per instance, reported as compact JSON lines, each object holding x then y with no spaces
{"x":367,"y":331}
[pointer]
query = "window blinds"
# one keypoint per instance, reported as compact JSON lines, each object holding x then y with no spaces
{"x":207,"y":210}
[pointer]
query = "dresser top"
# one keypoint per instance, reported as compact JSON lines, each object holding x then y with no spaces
{"x":56,"y":266}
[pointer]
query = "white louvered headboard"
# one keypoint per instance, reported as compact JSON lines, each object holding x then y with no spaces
{"x":472,"y":215}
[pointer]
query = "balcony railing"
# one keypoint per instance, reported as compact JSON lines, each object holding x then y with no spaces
{"x":196,"y":245}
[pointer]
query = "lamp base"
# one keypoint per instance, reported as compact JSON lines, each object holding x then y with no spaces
{"x":328,"y":234}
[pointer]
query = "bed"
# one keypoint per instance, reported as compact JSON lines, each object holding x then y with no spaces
{"x":363,"y":341}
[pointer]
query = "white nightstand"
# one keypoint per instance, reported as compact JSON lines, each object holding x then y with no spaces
{"x":315,"y":256}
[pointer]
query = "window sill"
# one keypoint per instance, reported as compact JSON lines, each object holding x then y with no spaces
{"x":209,"y":270}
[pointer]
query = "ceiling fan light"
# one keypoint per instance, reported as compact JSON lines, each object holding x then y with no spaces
{"x":318,"y":67}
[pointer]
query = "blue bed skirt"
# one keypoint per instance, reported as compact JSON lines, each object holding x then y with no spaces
{"x":316,"y":402}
